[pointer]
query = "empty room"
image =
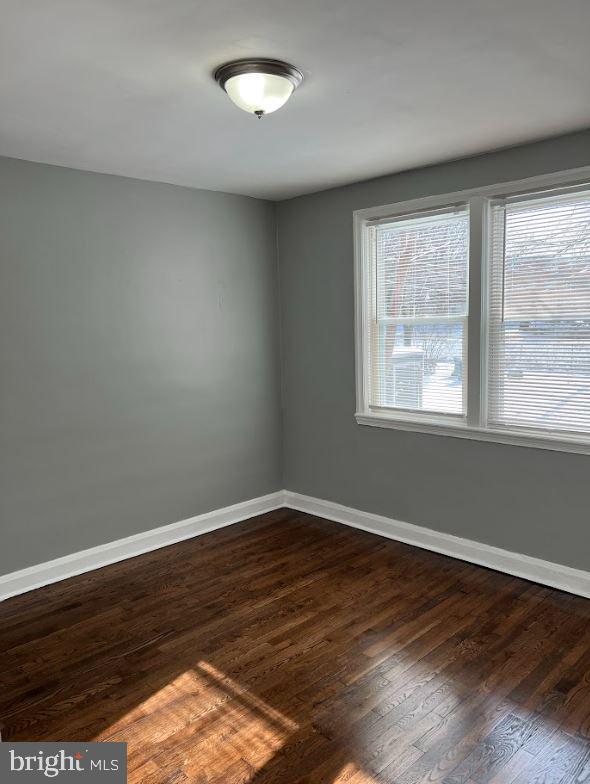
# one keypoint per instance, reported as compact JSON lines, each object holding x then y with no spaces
{"x":295,"y":391}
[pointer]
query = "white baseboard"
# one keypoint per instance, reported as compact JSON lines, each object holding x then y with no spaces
{"x":555,"y":575}
{"x":86,"y":560}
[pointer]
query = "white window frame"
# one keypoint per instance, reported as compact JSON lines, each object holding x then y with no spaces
{"x":473,"y":424}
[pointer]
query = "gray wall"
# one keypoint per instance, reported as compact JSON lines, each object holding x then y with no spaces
{"x":526,"y":500}
{"x":138,"y":357}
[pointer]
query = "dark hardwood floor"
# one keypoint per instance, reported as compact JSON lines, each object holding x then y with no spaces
{"x":290,"y":649}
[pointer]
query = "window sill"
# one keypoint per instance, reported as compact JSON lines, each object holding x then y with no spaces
{"x":533,"y":440}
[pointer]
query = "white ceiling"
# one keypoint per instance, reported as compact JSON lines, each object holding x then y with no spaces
{"x":125,"y":86}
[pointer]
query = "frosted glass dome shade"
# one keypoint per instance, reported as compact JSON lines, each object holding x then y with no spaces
{"x":259,"y":92}
{"x":258,"y":86}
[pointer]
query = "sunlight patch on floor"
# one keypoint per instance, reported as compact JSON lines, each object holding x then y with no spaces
{"x":201,"y":721}
{"x":353,"y":774}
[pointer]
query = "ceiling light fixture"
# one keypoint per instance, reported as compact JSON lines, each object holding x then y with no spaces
{"x":258,"y":86}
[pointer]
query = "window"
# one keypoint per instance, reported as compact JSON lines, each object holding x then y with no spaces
{"x":419,"y":323}
{"x":539,"y":315}
{"x":473,"y":313}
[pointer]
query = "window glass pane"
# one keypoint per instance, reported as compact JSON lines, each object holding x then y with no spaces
{"x":539,"y":320}
{"x":419,"y":306}
{"x":421,"y":367}
{"x":547,"y":259}
{"x":545,"y":375}
{"x":422,"y":266}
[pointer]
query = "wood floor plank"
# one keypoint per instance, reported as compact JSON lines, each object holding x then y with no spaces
{"x":293,"y":650}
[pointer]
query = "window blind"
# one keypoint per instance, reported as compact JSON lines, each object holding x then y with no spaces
{"x":539,"y":314}
{"x":418,"y":320}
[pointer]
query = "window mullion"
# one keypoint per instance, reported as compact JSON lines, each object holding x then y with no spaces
{"x":475,"y":321}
